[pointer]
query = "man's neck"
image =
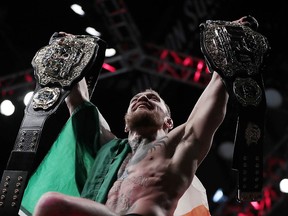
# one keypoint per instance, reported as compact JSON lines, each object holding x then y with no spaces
{"x":136,"y":140}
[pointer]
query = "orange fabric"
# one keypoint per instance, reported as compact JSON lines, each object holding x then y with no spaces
{"x":198,"y":211}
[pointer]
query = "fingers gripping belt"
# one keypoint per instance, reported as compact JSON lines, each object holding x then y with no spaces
{"x":237,"y":52}
{"x":57,"y":68}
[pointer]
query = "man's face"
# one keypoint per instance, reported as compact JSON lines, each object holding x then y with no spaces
{"x":146,"y":110}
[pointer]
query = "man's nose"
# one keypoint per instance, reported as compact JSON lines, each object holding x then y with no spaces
{"x":143,"y":98}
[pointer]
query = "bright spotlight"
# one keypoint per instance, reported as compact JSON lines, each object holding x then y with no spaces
{"x":273,"y":97}
{"x":110,"y":52}
{"x":7,"y":108}
{"x":28,"y":97}
{"x":225,"y":150}
{"x":93,"y":31}
{"x":284,"y":185}
{"x":77,"y":9}
{"x":219,"y":196}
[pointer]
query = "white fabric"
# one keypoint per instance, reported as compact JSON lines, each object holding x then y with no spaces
{"x":21,"y":213}
{"x":194,"y":196}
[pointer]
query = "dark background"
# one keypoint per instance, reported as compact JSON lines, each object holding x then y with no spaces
{"x":26,"y":26}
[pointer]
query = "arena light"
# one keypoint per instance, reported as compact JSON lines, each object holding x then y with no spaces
{"x":219,"y":196}
{"x":110,"y":52}
{"x":93,"y":31}
{"x":77,"y":9}
{"x":273,"y":97}
{"x":283,"y":185}
{"x":226,"y":149}
{"x":27,"y":97}
{"x":109,"y":67}
{"x":7,"y":108}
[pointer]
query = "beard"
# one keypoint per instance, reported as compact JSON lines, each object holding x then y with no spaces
{"x":143,"y":121}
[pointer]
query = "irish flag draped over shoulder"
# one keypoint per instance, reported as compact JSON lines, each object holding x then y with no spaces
{"x":194,"y":201}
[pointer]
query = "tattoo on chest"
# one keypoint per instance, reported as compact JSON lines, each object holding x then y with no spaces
{"x":123,"y":167}
{"x":150,"y":147}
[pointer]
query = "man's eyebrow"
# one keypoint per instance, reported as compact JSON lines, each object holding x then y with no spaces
{"x":136,"y":96}
{"x":154,"y":94}
{"x":149,"y":94}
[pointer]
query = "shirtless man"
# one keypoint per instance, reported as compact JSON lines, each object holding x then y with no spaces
{"x":162,"y":163}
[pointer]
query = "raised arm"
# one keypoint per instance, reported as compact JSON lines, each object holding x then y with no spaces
{"x":78,"y":95}
{"x":207,"y":115}
{"x":196,"y":135}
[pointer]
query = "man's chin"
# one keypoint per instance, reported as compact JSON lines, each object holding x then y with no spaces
{"x":143,"y":119}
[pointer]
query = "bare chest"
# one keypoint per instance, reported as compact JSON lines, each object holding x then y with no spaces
{"x":145,"y":175}
{"x":144,"y":179}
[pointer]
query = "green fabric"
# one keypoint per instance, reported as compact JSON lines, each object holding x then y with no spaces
{"x":76,"y":164}
{"x":104,"y":171}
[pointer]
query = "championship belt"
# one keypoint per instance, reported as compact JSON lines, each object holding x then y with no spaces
{"x":236,"y":52}
{"x":57,"y":68}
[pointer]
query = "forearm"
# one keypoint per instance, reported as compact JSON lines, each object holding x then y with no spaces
{"x":77,"y":96}
{"x":207,"y":115}
{"x":209,"y":111}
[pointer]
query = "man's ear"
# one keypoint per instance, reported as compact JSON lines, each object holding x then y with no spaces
{"x":168,"y":123}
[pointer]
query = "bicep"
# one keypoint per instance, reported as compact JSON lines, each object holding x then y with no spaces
{"x":189,"y":152}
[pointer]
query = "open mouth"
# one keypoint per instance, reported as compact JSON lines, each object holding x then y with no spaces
{"x":143,"y":106}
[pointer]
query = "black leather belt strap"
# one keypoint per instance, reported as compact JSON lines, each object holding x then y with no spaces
{"x":236,"y":51}
{"x":57,"y":68}
{"x":249,"y":140}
